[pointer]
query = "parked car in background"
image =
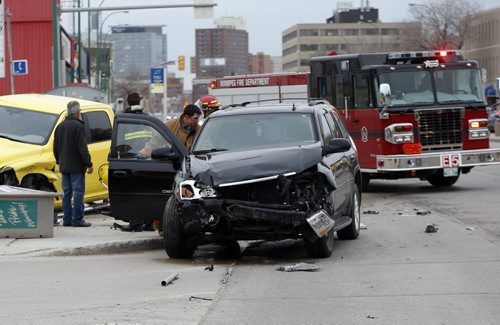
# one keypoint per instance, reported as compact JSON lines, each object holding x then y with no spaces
{"x":493,"y":116}
{"x":27,"y":125}
{"x":267,"y":171}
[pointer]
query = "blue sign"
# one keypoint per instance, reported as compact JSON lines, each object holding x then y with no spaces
{"x":20,"y":67}
{"x":156,"y":75}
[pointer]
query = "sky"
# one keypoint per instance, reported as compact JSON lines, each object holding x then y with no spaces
{"x":265,"y":19}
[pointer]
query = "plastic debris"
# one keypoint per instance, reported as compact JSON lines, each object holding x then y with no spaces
{"x":209,"y":268}
{"x":431,"y":228}
{"x":371,"y":212}
{"x":371,"y":317}
{"x":471,"y":228}
{"x":170,"y":279}
{"x":298,"y":267}
{"x":422,"y":212}
{"x":199,"y":298}
{"x":362,"y":226}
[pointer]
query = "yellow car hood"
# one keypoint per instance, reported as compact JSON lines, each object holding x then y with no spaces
{"x":18,"y":153}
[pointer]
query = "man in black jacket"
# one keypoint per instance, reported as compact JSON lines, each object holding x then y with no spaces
{"x":73,"y":157}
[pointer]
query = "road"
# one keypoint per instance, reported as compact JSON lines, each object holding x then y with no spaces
{"x":395,"y":273}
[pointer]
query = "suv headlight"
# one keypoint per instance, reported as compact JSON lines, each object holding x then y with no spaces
{"x":190,"y":190}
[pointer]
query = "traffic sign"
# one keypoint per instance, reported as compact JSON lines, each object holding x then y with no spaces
{"x":156,"y":75}
{"x":20,"y":67}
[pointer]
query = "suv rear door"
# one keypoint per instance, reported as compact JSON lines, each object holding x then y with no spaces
{"x":139,"y":188}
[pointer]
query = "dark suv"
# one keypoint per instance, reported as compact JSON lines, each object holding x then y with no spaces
{"x":267,"y":171}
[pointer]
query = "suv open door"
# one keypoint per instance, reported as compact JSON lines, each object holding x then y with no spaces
{"x":139,"y":187}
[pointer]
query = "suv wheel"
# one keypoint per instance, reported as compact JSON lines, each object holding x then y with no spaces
{"x":352,"y":231}
{"x":176,"y":243}
{"x":322,"y":247}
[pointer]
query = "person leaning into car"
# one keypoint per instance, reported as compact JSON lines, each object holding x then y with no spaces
{"x":185,"y":128}
{"x":73,"y":157}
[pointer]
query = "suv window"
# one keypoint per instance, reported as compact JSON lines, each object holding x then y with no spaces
{"x":98,"y":126}
{"x":131,"y":138}
{"x":326,"y":132}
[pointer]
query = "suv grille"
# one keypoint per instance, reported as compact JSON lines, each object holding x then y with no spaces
{"x":440,"y":129}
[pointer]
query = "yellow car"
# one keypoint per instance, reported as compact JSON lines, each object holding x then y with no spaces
{"x":27,"y":125}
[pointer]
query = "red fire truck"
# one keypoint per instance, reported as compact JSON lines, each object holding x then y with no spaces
{"x":411,"y":114}
{"x":239,"y":89}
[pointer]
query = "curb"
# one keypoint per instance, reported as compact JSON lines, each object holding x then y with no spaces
{"x":102,"y":249}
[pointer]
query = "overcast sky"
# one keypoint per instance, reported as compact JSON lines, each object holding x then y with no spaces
{"x":265,"y":19}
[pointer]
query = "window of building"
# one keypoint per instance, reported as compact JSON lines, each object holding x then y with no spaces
{"x":349,"y":32}
{"x":309,"y":32}
{"x":290,"y":65}
{"x":308,"y":47}
{"x":289,"y":36}
{"x":329,"y":32}
{"x":304,"y":62}
{"x":289,"y":50}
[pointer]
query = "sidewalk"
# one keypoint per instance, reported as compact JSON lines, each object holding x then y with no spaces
{"x":494,"y":138}
{"x":100,"y":238}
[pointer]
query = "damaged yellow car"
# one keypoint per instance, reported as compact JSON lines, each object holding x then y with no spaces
{"x":27,"y":125}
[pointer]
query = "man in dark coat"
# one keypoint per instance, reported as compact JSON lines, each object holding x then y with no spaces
{"x":73,"y":157}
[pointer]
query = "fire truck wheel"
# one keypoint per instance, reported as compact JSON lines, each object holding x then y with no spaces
{"x":352,"y":231}
{"x":177,"y":245}
{"x":438,"y":179}
{"x":322,"y":247}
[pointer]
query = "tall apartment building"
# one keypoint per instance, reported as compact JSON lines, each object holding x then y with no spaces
{"x":347,"y":31}
{"x":136,"y":49}
{"x":483,"y":43}
{"x":221,"y":52}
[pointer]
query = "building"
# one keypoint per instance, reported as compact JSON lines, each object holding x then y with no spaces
{"x":347,"y":31}
{"x":31,"y":28}
{"x":136,"y":49}
{"x":260,"y":63}
{"x":483,"y":44}
{"x":221,"y":52}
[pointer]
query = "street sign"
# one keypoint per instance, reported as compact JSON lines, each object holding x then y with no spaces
{"x":156,"y":86}
{"x":156,"y":75}
{"x":20,"y":67}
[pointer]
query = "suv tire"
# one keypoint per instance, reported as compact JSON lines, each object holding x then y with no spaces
{"x":352,"y":231}
{"x":322,"y":247}
{"x":176,"y":243}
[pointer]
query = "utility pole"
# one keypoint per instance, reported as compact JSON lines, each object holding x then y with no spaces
{"x":9,"y":45}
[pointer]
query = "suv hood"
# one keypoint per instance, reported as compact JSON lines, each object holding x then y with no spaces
{"x":233,"y":166}
{"x":13,"y":152}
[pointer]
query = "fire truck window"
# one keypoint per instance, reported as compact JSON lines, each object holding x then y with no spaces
{"x":325,"y":88}
{"x":326,"y":133}
{"x":361,"y":98}
{"x":339,"y":92}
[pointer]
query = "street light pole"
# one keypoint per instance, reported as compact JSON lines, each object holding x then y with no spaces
{"x":165,"y":87}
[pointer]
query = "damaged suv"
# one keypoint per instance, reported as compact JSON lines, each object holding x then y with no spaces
{"x":267,"y":171}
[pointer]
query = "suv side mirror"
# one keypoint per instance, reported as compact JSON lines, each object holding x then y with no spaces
{"x":337,"y":145}
{"x":165,"y":154}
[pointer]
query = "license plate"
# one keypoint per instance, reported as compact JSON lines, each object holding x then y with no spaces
{"x":320,"y":222}
{"x":450,"y":172}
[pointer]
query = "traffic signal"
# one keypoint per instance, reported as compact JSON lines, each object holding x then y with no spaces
{"x":181,"y":62}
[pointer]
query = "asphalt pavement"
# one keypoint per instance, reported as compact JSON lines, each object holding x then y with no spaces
{"x":100,"y":238}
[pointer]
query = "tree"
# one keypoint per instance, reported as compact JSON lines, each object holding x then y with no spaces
{"x":444,"y":24}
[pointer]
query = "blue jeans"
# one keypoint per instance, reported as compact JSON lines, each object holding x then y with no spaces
{"x":73,"y":185}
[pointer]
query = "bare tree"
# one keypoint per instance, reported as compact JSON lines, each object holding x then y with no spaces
{"x":444,"y":24}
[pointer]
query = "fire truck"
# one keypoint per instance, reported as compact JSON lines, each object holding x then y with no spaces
{"x":411,"y":114}
{"x":258,"y":87}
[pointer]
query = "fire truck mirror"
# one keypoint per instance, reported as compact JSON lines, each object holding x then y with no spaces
{"x":385,"y":95}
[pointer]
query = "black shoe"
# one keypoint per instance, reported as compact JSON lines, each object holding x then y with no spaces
{"x":129,"y":228}
{"x":82,"y":224}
